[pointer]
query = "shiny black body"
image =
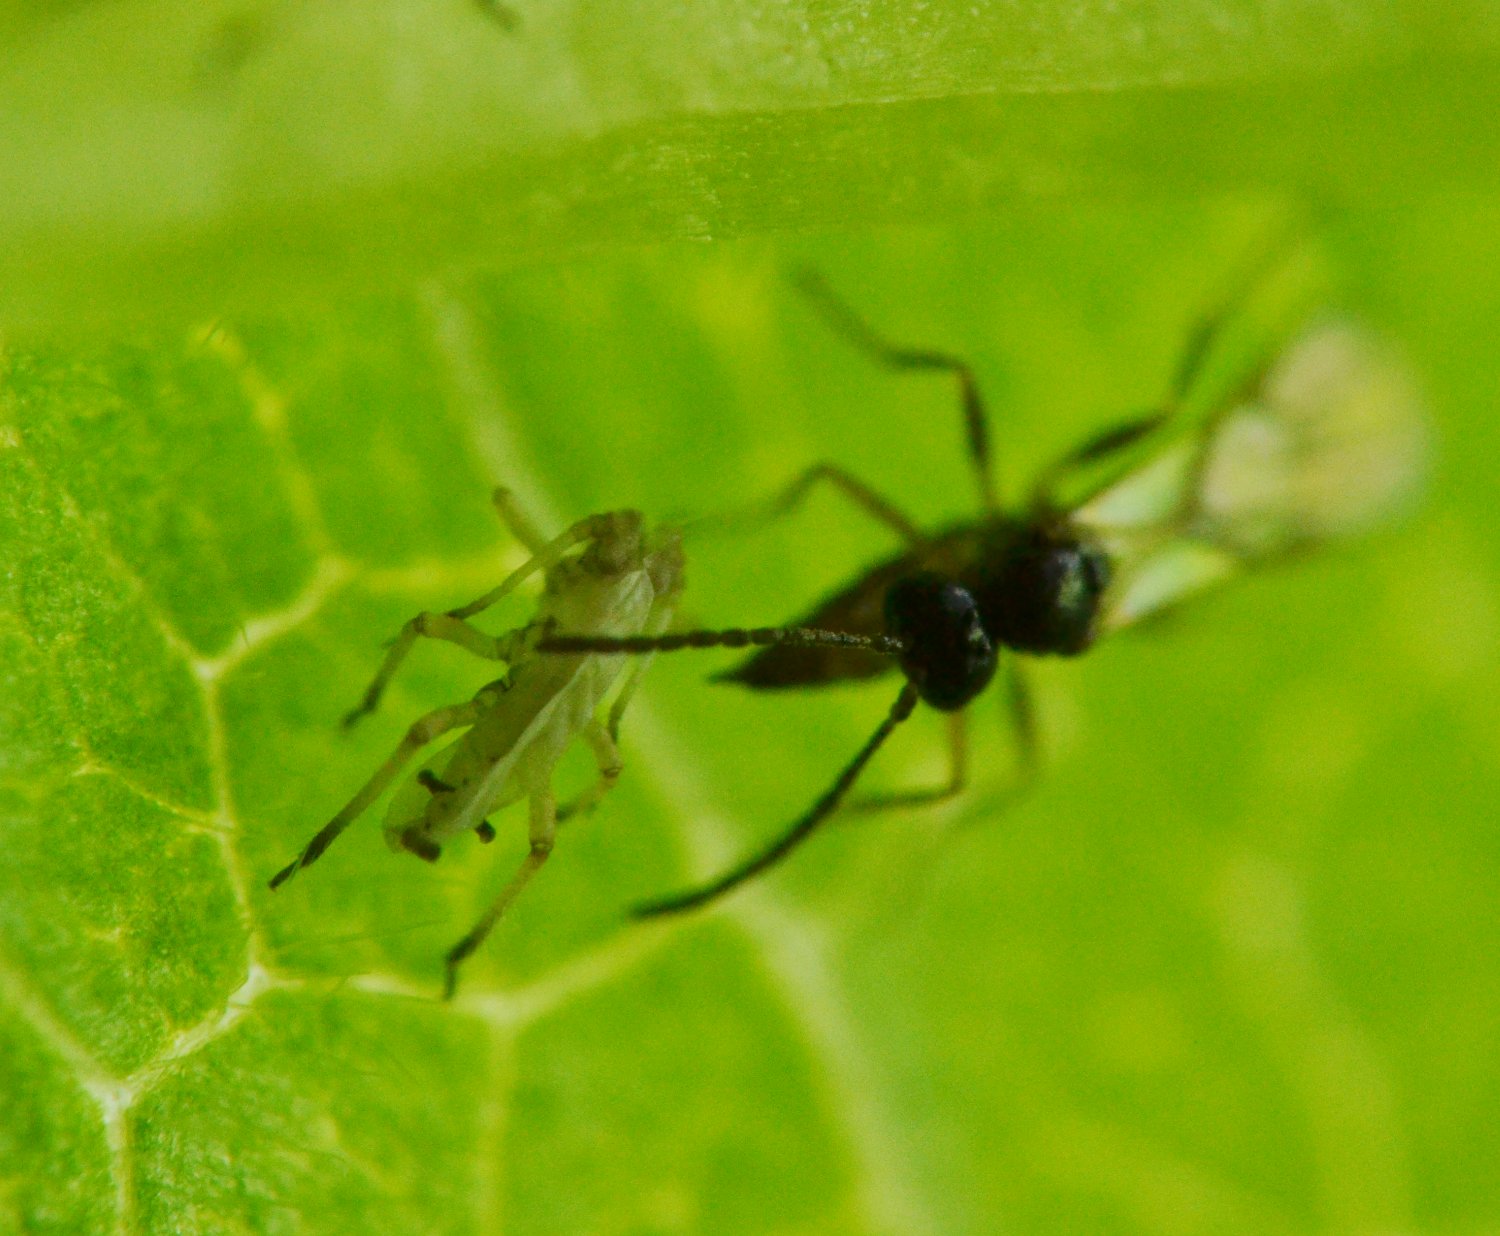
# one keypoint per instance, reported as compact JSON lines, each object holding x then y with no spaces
{"x":948,"y":656}
{"x":1036,"y":585}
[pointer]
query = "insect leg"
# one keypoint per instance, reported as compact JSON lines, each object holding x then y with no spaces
{"x":423,"y":731}
{"x":433,"y":626}
{"x":881,"y":509}
{"x":607,"y":757}
{"x":1202,"y":337}
{"x":958,"y":776}
{"x":1113,"y":441}
{"x":592,"y":528}
{"x":1022,"y":712}
{"x":1203,"y":334}
{"x":542,"y":832}
{"x":846,"y":322}
{"x":797,"y":833}
{"x":517,"y":521}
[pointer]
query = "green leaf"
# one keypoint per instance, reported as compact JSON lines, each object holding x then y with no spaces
{"x":215,"y":153}
{"x":1229,"y":970}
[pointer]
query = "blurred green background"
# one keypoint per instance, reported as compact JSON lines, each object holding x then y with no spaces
{"x":1231,"y":969}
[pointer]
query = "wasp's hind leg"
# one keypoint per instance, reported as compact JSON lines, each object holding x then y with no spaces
{"x":542,"y":833}
{"x":1202,"y":338}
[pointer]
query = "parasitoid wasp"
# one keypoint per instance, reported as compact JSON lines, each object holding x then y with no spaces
{"x":1321,"y":439}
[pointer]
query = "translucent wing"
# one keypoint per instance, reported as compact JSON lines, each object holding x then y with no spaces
{"x":1330,"y":441}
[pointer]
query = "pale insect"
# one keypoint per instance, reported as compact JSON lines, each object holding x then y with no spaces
{"x":604,"y":575}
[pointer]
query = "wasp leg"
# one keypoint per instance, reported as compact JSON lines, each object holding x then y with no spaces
{"x":423,"y":731}
{"x":797,"y":833}
{"x":542,"y":832}
{"x":863,"y":496}
{"x":1022,"y":713}
{"x":1204,"y":333}
{"x":958,"y":776}
{"x":607,"y":757}
{"x":1115,"y":440}
{"x":857,"y":331}
{"x":1203,"y":336}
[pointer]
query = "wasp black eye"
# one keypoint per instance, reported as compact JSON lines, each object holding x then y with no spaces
{"x":1043,"y":597}
{"x":948,"y":658}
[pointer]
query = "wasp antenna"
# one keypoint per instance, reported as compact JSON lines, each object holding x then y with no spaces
{"x":733,"y":637}
{"x":797,"y":833}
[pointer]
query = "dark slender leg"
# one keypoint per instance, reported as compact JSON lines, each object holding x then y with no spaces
{"x":1018,"y":704}
{"x":958,"y":776}
{"x":1202,"y":336}
{"x":854,"y":328}
{"x":863,"y":496}
{"x":797,"y":833}
{"x":1204,"y":333}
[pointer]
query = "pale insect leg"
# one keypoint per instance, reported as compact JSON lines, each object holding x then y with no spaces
{"x":423,"y":731}
{"x":607,"y":758}
{"x":604,"y":739}
{"x":958,"y":776}
{"x":451,"y":627}
{"x":517,"y":521}
{"x":542,"y":832}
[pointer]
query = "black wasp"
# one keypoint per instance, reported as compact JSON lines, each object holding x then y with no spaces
{"x":1321,"y":439}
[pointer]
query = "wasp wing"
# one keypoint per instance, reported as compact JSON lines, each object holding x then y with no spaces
{"x":1329,"y":441}
{"x":858,"y":608}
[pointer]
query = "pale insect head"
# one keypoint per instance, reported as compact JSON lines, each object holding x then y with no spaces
{"x":617,"y":547}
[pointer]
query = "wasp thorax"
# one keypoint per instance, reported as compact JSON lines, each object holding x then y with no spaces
{"x":948,"y":656}
{"x":1043,"y":595}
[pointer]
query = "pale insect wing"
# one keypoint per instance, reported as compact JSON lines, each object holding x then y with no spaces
{"x":1331,"y":442}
